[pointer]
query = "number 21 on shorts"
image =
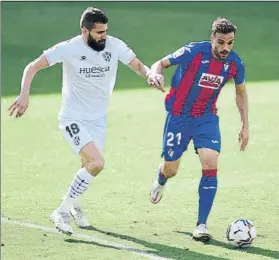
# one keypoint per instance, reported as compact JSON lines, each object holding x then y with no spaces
{"x":173,"y":139}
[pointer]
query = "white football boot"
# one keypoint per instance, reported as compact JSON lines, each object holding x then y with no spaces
{"x":78,"y":215}
{"x":201,"y":233}
{"x":157,"y":192}
{"x":62,"y":222}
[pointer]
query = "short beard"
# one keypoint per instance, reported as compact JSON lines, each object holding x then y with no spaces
{"x":218,"y":56}
{"x":96,"y":45}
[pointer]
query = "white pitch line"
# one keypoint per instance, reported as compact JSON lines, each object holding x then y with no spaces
{"x":88,"y":238}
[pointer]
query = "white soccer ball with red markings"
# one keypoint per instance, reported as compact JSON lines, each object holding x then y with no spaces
{"x":241,"y":233}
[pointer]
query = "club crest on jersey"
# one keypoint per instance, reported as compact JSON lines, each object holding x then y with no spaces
{"x":226,"y":66}
{"x":210,"y":81}
{"x":107,"y":56}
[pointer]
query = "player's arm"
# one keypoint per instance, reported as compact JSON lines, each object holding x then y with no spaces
{"x":127,"y":56}
{"x":159,"y":66}
{"x":181,"y":55}
{"x":30,"y":71}
{"x":55,"y":54}
{"x":242,"y":104}
{"x":137,"y":66}
{"x":21,"y":103}
{"x":155,"y":78}
{"x":142,"y":70}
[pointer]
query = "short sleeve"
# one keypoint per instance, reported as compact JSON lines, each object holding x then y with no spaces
{"x":183,"y":54}
{"x":239,"y":77}
{"x":125,"y":53}
{"x":57,"y":53}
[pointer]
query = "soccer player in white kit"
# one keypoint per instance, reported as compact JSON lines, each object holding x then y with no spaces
{"x":90,"y":63}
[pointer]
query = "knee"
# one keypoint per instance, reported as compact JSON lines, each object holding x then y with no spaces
{"x":208,"y":158}
{"x":94,"y":166}
{"x":169,"y":172}
{"x":209,"y":164}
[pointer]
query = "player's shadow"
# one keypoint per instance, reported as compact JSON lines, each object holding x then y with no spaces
{"x":157,"y":249}
{"x":252,"y":250}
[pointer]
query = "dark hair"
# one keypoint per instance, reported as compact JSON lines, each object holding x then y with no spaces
{"x":91,"y":16}
{"x":223,"y":25}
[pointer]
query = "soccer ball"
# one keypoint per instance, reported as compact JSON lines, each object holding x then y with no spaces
{"x":241,"y":233}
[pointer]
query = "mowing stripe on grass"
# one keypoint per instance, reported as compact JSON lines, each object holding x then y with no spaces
{"x":101,"y":242}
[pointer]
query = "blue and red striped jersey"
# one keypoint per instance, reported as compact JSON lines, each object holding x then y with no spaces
{"x":199,"y":78}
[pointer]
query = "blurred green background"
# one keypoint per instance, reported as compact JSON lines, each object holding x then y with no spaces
{"x":37,"y":165}
{"x":152,"y":29}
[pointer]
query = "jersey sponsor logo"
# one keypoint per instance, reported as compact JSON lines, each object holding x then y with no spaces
{"x":95,"y":71}
{"x":210,"y":81}
{"x":107,"y":56}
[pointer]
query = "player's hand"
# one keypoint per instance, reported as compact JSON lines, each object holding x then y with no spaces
{"x":19,"y":106}
{"x":243,"y":138}
{"x":156,"y":81}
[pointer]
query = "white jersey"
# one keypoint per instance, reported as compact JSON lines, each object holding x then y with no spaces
{"x":88,"y":76}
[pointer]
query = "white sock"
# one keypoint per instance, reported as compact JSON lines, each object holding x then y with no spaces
{"x":76,"y":202}
{"x":78,"y":186}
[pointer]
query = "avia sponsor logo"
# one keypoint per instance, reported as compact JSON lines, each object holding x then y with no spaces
{"x":210,"y":81}
{"x":95,"y":71}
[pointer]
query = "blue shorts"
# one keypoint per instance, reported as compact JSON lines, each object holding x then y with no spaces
{"x":179,"y":131}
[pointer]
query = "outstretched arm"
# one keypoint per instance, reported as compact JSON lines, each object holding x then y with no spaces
{"x":159,"y":66}
{"x":137,"y":66}
{"x":242,"y":104}
{"x":183,"y":54}
{"x":21,"y":103}
{"x":156,"y":76}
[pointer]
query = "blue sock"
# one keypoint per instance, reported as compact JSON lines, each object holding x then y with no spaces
{"x":161,"y":178}
{"x":207,"y":191}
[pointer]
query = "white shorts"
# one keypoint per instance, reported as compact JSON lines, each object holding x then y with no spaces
{"x":79,"y":133}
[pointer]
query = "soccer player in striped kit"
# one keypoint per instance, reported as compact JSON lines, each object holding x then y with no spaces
{"x":203,"y":68}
